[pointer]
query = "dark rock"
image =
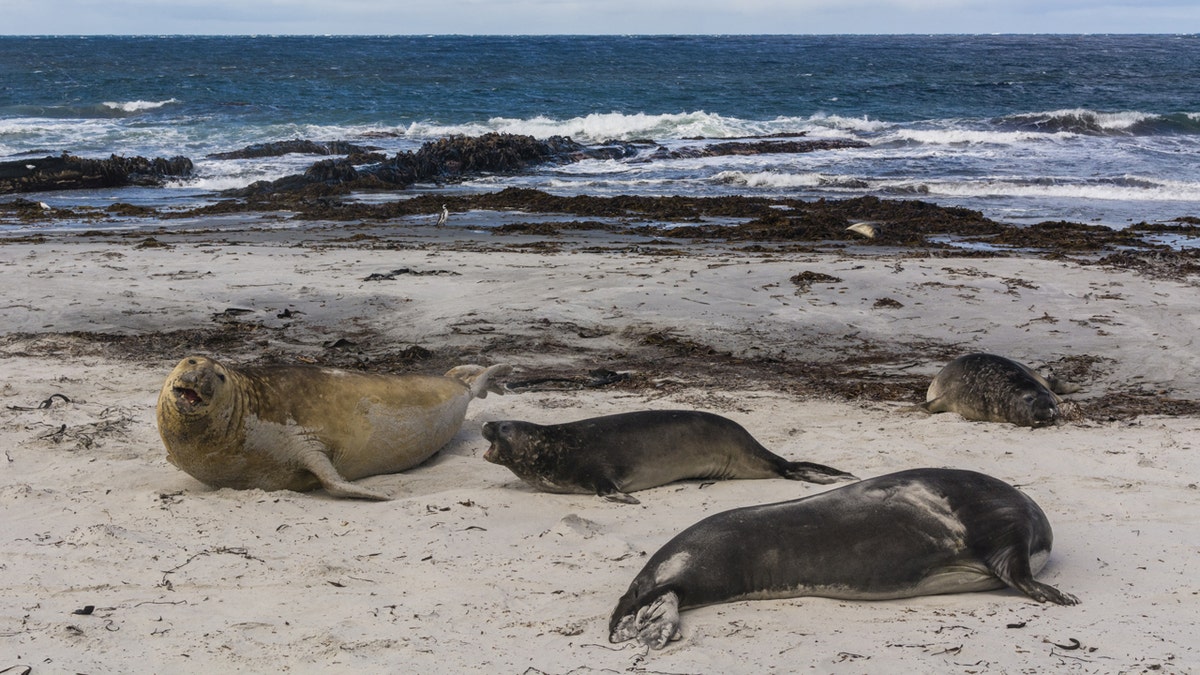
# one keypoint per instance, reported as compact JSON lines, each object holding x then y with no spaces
{"x":296,"y":146}
{"x":757,"y":148}
{"x":67,"y":172}
{"x":451,"y":158}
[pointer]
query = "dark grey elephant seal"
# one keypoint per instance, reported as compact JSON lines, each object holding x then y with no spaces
{"x":616,"y":454}
{"x":304,"y":427}
{"x":991,"y":388}
{"x":917,"y":532}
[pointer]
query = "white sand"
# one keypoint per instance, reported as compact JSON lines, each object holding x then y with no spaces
{"x":468,"y":567}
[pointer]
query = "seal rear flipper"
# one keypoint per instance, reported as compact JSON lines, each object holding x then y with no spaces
{"x":317,"y":463}
{"x":654,"y":624}
{"x":1046,"y":593}
{"x":478,"y":378}
{"x":815,"y":473}
{"x":1012,"y":566}
{"x":1062,"y":386}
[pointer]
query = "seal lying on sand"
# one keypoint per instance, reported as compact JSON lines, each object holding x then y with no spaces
{"x":617,"y":454}
{"x":992,"y":388}
{"x":303,"y":427}
{"x":917,"y":532}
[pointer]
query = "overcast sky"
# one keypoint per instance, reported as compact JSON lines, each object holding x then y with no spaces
{"x":476,"y":17}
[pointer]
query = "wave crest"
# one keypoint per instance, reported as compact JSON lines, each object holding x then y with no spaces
{"x":602,"y":127}
{"x":134,"y":107}
{"x":1094,"y":123}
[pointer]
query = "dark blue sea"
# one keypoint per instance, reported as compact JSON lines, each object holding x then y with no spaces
{"x":1095,"y":128}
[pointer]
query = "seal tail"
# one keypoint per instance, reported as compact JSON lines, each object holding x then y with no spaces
{"x":815,"y":473}
{"x":479,"y":378}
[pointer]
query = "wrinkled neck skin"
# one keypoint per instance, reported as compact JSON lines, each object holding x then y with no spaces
{"x":209,"y":442}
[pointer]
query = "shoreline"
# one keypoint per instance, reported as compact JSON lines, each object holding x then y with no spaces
{"x":812,"y":346}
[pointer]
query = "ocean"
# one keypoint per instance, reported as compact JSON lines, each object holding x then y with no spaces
{"x":1025,"y":128}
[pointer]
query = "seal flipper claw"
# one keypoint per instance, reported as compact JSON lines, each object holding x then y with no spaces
{"x":1059,"y":386}
{"x":615,"y":495}
{"x":654,"y":624}
{"x":815,"y":473}
{"x":1012,"y":567}
{"x":1047,"y":593}
{"x":479,"y":378}
{"x":658,"y":622}
{"x":936,"y":405}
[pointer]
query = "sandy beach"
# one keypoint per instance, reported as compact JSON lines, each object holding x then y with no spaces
{"x":115,"y":561}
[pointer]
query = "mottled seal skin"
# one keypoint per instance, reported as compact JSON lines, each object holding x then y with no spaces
{"x":304,"y":427}
{"x":991,"y":388}
{"x":614,"y":455}
{"x":917,"y":532}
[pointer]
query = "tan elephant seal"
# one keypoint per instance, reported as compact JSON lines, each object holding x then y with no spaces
{"x":303,"y":427}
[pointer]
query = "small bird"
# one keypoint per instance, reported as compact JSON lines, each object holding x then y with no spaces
{"x":443,"y":216}
{"x":866,"y":228}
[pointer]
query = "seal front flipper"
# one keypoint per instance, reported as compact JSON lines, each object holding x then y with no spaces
{"x":654,"y":624}
{"x":318,"y":464}
{"x":815,"y":473}
{"x":610,"y":493}
{"x":937,"y":405}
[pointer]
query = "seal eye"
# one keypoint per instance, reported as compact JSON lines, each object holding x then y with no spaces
{"x":221,"y":376}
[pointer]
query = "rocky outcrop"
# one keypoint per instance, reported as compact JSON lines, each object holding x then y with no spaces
{"x":297,"y":146}
{"x":68,"y":172}
{"x":446,"y":159}
{"x":757,"y":148}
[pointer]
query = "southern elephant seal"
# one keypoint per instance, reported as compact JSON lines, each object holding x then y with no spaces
{"x":916,"y":532}
{"x":992,"y":388}
{"x":303,"y":427}
{"x":616,"y":454}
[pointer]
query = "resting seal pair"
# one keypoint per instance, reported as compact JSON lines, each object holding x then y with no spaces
{"x":302,"y":427}
{"x":916,"y":532}
{"x":991,"y":388}
{"x":614,"y":455}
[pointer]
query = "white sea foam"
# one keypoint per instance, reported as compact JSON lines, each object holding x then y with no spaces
{"x":963,"y":136}
{"x":601,"y":127}
{"x":771,"y":179}
{"x":138,"y":106}
{"x":1131,"y":189}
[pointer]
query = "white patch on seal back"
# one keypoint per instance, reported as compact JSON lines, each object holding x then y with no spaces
{"x":934,"y":507}
{"x":672,"y":567}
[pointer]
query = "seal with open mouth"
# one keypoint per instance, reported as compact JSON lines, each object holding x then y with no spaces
{"x":302,"y":427}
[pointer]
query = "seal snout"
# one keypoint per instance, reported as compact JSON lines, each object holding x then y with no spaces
{"x":193,"y":387}
{"x":492,"y":431}
{"x":493,"y":452}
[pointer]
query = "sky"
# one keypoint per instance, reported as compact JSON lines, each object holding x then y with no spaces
{"x":541,"y":17}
